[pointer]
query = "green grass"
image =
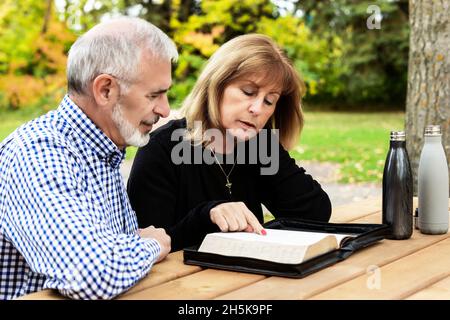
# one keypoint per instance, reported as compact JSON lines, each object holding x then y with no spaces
{"x":131,"y":153}
{"x":9,"y":121}
{"x":357,"y":141}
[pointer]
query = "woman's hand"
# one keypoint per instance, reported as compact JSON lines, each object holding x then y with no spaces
{"x":235,"y":216}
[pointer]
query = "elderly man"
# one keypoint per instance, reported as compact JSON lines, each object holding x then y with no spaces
{"x":65,"y":218}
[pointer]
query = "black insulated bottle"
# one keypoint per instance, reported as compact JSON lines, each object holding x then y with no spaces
{"x":398,"y":189}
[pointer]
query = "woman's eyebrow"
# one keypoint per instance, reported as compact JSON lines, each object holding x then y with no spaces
{"x":248,"y":81}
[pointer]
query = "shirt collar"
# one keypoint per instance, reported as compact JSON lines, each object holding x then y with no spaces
{"x":89,"y":133}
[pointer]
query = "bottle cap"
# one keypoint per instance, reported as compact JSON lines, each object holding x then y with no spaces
{"x":433,"y":130}
{"x":398,"y":136}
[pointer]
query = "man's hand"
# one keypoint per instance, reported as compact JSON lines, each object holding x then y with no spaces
{"x":235,"y":216}
{"x":160,"y":235}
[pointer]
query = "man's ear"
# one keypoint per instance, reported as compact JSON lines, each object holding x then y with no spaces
{"x":105,"y":90}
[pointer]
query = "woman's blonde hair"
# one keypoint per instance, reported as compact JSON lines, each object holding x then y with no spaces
{"x":243,"y":56}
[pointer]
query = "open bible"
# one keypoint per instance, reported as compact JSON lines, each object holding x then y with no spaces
{"x":292,"y":247}
{"x":281,"y":246}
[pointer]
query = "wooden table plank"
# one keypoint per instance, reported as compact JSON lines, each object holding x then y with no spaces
{"x":400,"y":278}
{"x":360,"y":209}
{"x":201,"y":285}
{"x":439,"y":290}
{"x":46,"y":294}
{"x":169,"y":269}
{"x":356,"y":265}
{"x":355,"y":210}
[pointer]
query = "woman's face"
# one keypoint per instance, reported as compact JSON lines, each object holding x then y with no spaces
{"x":246,"y":106}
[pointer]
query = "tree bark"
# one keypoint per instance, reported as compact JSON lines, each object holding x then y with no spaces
{"x":48,"y":13}
{"x":185,"y":10}
{"x":428,"y":98}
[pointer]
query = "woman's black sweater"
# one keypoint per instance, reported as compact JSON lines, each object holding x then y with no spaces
{"x":179,"y":197}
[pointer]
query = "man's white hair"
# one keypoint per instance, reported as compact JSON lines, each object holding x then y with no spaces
{"x":115,"y":47}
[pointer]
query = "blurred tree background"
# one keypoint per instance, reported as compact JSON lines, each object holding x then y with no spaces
{"x":343,"y":62}
{"x":346,"y":63}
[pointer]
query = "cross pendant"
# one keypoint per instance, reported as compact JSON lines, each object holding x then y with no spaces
{"x":228,"y":185}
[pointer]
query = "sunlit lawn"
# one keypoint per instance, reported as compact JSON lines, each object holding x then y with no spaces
{"x":7,"y":126}
{"x":9,"y":121}
{"x":357,"y":141}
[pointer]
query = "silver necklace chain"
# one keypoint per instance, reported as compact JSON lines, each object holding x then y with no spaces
{"x":227,"y":176}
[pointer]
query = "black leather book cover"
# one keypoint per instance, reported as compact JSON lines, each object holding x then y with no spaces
{"x":363,"y":235}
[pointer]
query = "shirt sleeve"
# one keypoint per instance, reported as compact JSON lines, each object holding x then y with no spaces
{"x":61,"y":232}
{"x":153,"y":191}
{"x":292,"y":193}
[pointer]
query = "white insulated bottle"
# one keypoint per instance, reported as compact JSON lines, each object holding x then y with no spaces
{"x":433,"y":184}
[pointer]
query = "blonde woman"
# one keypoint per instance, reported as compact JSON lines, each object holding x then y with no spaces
{"x":212,"y":169}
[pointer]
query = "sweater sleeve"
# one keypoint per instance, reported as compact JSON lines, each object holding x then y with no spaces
{"x":153,"y":193}
{"x":290,"y":192}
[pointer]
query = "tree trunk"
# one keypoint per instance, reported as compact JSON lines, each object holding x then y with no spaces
{"x":48,"y":13}
{"x":185,"y":10}
{"x":428,"y":99}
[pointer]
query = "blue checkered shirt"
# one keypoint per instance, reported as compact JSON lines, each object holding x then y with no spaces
{"x":65,"y":219}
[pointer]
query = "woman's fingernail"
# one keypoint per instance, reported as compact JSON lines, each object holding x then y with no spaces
{"x":263,"y":232}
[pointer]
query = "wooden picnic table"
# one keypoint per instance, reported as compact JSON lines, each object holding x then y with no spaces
{"x":417,"y":268}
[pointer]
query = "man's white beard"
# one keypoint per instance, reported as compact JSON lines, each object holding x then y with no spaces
{"x":131,"y":135}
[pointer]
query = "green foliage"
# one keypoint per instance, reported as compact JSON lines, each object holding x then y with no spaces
{"x":34,"y":47}
{"x":374,"y":61}
{"x":340,"y":59}
{"x":81,"y":15}
{"x":180,"y":90}
{"x":313,"y":56}
{"x":221,"y":20}
{"x":201,"y":35}
{"x":18,"y":30}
